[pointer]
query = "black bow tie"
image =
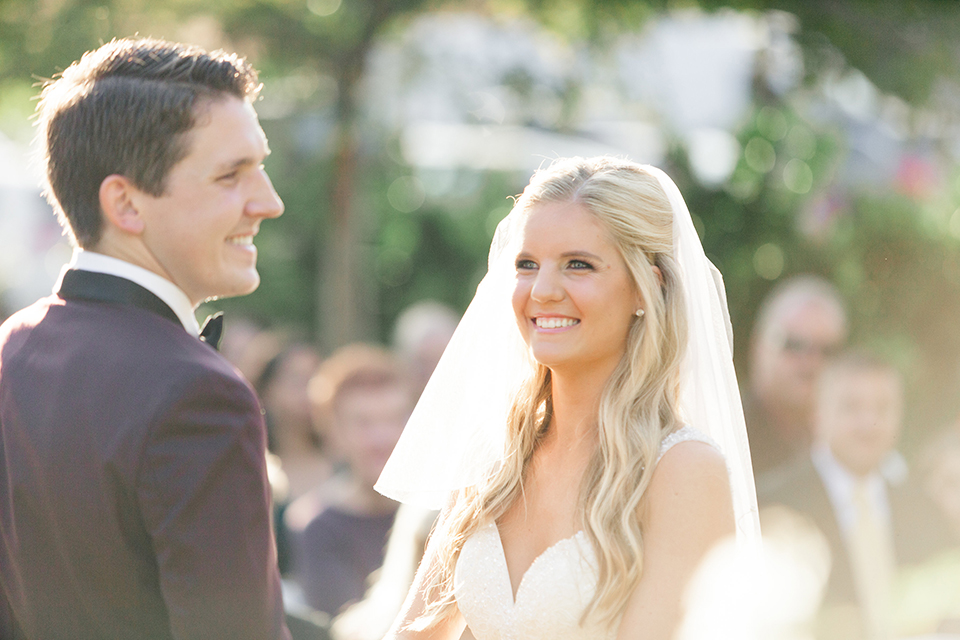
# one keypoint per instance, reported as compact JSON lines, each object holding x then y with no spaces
{"x":212,"y":330}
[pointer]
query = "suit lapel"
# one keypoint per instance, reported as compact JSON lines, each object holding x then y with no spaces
{"x":813,"y":500}
{"x":102,"y":287}
{"x":840,"y":586}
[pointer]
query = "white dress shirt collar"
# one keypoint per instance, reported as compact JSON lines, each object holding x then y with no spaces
{"x":840,"y":484}
{"x":171,"y":294}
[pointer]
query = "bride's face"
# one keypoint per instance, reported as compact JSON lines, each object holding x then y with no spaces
{"x":574,"y":298}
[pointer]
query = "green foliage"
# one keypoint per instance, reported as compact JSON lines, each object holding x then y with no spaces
{"x":592,"y":20}
{"x":903,"y":46}
{"x":439,"y":251}
{"x":904,"y":291}
{"x":895,"y":259}
{"x":749,"y":227}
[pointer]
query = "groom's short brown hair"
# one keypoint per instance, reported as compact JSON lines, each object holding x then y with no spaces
{"x":126,"y":108}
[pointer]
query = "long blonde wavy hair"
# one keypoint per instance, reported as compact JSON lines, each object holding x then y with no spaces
{"x":638,"y":406}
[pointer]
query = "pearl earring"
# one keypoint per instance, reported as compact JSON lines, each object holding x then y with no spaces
{"x":639,"y":313}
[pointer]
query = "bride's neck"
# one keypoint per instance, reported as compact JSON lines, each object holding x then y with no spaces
{"x":576,"y":403}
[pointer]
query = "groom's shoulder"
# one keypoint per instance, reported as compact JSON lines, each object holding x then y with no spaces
{"x":109,"y":337}
{"x":29,"y":315}
{"x":15,"y":330}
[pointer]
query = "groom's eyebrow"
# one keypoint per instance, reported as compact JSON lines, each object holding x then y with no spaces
{"x":246,"y":161}
{"x":237,"y":164}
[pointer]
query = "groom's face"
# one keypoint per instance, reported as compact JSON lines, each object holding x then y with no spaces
{"x":201,"y":230}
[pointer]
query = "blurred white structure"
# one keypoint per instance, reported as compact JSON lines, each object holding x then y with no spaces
{"x":32,"y":247}
{"x":471,"y":91}
{"x":696,"y":71}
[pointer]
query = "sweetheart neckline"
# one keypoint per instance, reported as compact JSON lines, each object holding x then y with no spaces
{"x":680,"y":435}
{"x":506,"y":569}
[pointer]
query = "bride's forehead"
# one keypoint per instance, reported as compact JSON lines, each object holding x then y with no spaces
{"x":562,"y":223}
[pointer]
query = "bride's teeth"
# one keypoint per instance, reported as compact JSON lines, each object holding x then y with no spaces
{"x":241,"y":240}
{"x":555,"y":323}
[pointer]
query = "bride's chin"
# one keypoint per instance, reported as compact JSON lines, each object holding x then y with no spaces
{"x":554,"y":364}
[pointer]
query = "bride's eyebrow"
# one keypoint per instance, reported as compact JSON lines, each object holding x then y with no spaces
{"x":581,"y":254}
{"x":576,"y":253}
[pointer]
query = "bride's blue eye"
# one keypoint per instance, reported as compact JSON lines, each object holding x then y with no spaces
{"x":579,"y":264}
{"x":526,"y":264}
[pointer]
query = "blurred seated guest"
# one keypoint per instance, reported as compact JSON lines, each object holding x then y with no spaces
{"x":297,"y":461}
{"x":282,"y":387}
{"x":340,"y":528}
{"x":420,"y":335}
{"x":371,"y":617}
{"x":800,"y":323}
{"x":874,"y":528}
{"x":940,"y":473}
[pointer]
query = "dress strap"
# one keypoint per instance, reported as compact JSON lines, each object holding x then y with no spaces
{"x":684,"y":433}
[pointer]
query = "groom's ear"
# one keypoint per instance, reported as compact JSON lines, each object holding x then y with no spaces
{"x":118,"y":204}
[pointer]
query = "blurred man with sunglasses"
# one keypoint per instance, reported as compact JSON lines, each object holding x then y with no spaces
{"x":799,"y":326}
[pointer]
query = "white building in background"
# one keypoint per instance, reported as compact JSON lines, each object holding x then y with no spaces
{"x":477,"y":92}
{"x":696,"y":72}
{"x":470,"y":91}
{"x":32,"y":246}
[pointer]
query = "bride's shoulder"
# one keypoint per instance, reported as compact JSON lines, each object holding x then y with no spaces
{"x":690,"y":473}
{"x":688,"y":456}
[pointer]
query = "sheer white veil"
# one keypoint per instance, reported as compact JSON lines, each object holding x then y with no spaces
{"x":457,"y":431}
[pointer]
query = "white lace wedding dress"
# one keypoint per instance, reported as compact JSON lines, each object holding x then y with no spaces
{"x":553,"y":593}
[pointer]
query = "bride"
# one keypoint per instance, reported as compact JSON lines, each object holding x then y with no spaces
{"x":583,"y":431}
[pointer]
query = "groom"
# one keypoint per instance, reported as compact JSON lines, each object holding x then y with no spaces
{"x":133,"y":493}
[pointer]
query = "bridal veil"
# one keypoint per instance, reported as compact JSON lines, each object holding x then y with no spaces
{"x":457,"y":431}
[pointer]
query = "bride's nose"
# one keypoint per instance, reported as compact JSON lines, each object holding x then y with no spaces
{"x":547,"y":286}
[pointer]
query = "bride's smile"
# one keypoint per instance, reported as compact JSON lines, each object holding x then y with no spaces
{"x":548,"y":323}
{"x":574,"y":298}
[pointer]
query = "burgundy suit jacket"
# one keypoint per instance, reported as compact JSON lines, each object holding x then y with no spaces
{"x":133,"y":494}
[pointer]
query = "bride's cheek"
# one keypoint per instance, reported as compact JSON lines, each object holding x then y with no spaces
{"x":520,"y":297}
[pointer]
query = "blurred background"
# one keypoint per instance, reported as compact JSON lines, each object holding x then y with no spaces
{"x":808,"y":136}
